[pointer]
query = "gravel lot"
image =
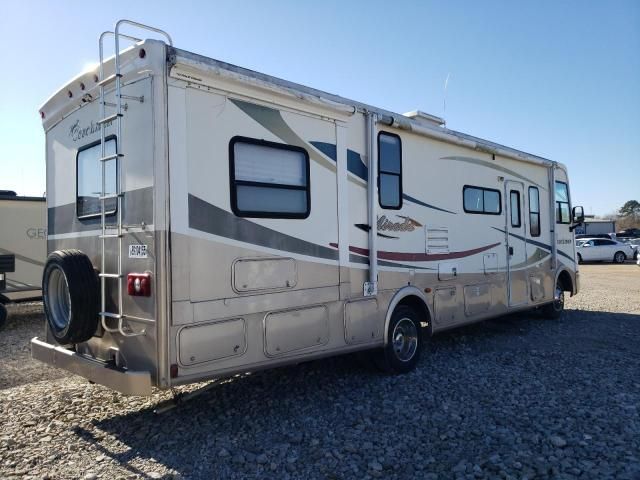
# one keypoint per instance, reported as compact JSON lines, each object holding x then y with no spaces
{"x":517,"y":397}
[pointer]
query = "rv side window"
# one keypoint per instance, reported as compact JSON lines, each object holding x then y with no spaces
{"x":515,"y":208}
{"x":89,"y":179}
{"x":269,"y":180}
{"x":481,"y":200}
{"x":389,"y":171}
{"x":562,"y":203}
{"x":534,"y":211}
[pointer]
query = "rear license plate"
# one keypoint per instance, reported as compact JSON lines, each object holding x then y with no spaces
{"x":138,"y":251}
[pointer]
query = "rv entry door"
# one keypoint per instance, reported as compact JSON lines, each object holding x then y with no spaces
{"x":516,"y":244}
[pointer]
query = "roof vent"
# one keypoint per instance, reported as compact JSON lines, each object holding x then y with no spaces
{"x":425,"y":118}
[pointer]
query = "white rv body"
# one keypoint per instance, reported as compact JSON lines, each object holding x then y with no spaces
{"x":232,"y":291}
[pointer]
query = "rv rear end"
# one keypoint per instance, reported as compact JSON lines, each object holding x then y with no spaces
{"x":104,"y":285}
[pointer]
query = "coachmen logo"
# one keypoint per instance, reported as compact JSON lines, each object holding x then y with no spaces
{"x":407,"y":225}
{"x":78,"y":132}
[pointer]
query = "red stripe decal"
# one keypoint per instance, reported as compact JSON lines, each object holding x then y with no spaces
{"x":418,"y":257}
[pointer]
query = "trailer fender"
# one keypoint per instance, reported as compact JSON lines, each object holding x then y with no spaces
{"x":404,"y":295}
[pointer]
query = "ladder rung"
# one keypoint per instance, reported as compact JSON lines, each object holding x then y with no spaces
{"x":108,"y":197}
{"x":110,"y":118}
{"x":110,"y":235}
{"x":111,"y":315}
{"x":111,"y":157}
{"x":109,"y":79}
{"x":110,"y":275}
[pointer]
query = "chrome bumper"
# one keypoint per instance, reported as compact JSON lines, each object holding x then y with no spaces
{"x":124,"y":381}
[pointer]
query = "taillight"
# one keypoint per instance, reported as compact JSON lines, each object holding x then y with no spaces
{"x":139,"y":284}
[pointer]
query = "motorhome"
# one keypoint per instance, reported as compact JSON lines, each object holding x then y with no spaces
{"x":23,"y":249}
{"x":206,"y":220}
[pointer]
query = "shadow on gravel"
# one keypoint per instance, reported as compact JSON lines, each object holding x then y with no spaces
{"x":504,"y":385}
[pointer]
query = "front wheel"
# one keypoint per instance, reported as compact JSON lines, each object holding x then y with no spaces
{"x":404,"y":345}
{"x":619,"y":257}
{"x":555,"y":309}
{"x":579,"y":258}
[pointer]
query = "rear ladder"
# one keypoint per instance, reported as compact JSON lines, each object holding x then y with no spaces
{"x":115,"y":231}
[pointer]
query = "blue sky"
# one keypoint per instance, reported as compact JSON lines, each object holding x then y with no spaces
{"x":560,"y":79}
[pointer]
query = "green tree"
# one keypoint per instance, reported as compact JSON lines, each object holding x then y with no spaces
{"x":630,"y":209}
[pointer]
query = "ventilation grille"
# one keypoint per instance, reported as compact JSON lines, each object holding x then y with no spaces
{"x":438,"y":240}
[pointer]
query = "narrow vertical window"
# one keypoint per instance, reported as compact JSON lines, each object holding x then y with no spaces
{"x":534,"y":212}
{"x":562,"y":203}
{"x":515,"y":208}
{"x":389,"y":171}
{"x":89,"y":179}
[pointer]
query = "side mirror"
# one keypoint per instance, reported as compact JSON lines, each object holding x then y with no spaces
{"x":577,"y":217}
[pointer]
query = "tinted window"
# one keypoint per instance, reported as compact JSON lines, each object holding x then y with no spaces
{"x":515,"y":208}
{"x":492,"y":201}
{"x":481,"y":200}
{"x":269,"y":180}
{"x":389,"y":171}
{"x":562,"y":203}
{"x":534,"y":212}
{"x":89,"y":180}
{"x":473,"y":200}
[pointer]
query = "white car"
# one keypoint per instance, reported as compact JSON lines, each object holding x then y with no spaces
{"x":591,"y":249}
{"x":633,"y":243}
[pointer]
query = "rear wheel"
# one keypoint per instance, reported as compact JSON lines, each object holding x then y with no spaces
{"x":404,"y":345}
{"x":70,"y":294}
{"x":619,"y":257}
{"x":579,"y":258}
{"x":556,"y":308}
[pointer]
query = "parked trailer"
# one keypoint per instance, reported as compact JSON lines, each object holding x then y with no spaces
{"x":240,"y":222}
{"x":23,"y":249}
{"x":596,"y":227}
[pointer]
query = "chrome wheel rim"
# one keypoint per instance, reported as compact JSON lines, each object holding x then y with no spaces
{"x":58,"y":299}
{"x":558,"y":298}
{"x":619,"y":258}
{"x":405,"y":340}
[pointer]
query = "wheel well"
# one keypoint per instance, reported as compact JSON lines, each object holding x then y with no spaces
{"x":565,"y":279}
{"x":419,"y":306}
{"x":620,"y":251}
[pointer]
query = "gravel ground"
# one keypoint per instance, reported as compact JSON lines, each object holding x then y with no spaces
{"x":518,"y":397}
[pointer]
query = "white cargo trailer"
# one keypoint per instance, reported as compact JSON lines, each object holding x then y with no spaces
{"x":23,"y":249}
{"x":206,"y":220}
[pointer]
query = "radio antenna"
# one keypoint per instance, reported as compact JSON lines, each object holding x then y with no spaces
{"x":444,"y":100}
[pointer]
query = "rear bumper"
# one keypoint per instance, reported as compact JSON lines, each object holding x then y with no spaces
{"x":124,"y":381}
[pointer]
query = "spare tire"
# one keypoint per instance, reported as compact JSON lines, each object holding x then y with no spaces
{"x":71,"y":296}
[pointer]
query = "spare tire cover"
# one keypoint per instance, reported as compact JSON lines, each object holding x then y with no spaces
{"x":71,"y":296}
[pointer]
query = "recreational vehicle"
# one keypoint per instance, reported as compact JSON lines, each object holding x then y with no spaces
{"x":206,"y":220}
{"x":23,"y":249}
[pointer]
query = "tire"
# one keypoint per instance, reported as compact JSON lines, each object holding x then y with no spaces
{"x":579,"y":258}
{"x":555,"y":309}
{"x":3,"y":316}
{"x":402,"y":352}
{"x":619,"y":257}
{"x":71,"y":296}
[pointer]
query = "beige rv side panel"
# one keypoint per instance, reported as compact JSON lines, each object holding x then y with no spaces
{"x":23,"y":234}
